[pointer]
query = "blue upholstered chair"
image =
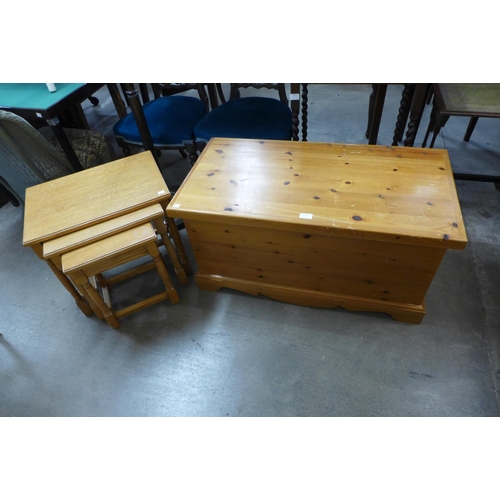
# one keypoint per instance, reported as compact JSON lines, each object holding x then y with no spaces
{"x":162,"y":123}
{"x":246,"y":118}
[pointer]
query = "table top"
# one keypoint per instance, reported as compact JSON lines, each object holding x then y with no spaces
{"x":403,"y":195}
{"x":469,"y":99}
{"x":34,"y":95}
{"x":79,"y":200}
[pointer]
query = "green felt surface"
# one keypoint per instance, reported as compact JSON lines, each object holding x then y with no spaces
{"x":466,"y":98}
{"x":34,"y":95}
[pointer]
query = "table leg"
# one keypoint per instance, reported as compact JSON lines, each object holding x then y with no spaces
{"x":172,"y":228}
{"x":56,"y":261}
{"x":470,"y":128}
{"x":378,"y":106}
{"x":79,"y":117}
{"x":66,"y":145}
{"x":106,"y":313}
{"x":179,"y":270}
{"x":80,"y":302}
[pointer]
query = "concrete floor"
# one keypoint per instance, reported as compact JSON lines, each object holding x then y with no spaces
{"x":228,"y":354}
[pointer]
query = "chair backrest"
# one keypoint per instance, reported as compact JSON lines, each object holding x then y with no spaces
{"x":280,"y":87}
{"x":26,"y":157}
{"x":164,"y":90}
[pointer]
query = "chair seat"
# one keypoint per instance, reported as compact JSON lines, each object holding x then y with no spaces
{"x":247,"y":118}
{"x":170,"y":120}
{"x":90,"y":146}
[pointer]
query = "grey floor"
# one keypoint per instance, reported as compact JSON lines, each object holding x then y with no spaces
{"x":228,"y":354}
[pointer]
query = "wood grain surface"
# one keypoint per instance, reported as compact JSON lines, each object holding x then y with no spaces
{"x":318,"y":224}
{"x":396,"y":194}
{"x":75,"y":201}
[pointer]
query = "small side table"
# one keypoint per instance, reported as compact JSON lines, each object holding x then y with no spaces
{"x":77,"y":201}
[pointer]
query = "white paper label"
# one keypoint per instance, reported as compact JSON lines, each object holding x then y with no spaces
{"x":161,"y":192}
{"x":176,"y":205}
{"x":305,"y":216}
{"x":294,"y":97}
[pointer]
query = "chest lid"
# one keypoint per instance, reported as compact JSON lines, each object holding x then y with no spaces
{"x":397,"y":194}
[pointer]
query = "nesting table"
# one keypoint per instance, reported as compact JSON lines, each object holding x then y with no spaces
{"x":357,"y":226}
{"x":104,"y":200}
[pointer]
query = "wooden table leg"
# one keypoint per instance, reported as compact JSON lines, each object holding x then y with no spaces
{"x":179,"y":270}
{"x":172,"y":228}
{"x":376,"y":117}
{"x":80,"y":278}
{"x":470,"y":128}
{"x":80,"y":302}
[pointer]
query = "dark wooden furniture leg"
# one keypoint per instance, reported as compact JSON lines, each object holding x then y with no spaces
{"x":295,"y":107}
{"x":117,"y":100}
{"x":470,"y":128}
{"x":143,"y":87}
{"x":380,"y":90}
{"x":371,"y":104}
{"x":403,"y":112}
{"x":436,"y":122}
{"x":305,"y":92}
{"x":140,"y":119}
{"x":6,"y":196}
{"x":417,"y":109}
{"x":212,"y":95}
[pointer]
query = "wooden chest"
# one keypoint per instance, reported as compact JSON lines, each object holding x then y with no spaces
{"x":357,"y":226}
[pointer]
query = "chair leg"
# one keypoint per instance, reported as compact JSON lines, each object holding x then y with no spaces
{"x":183,"y":153}
{"x":470,"y":128}
{"x":6,"y":196}
{"x":304,"y":106}
{"x":430,"y":95}
{"x":190,"y":148}
{"x":127,"y":151}
{"x":403,"y":113}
